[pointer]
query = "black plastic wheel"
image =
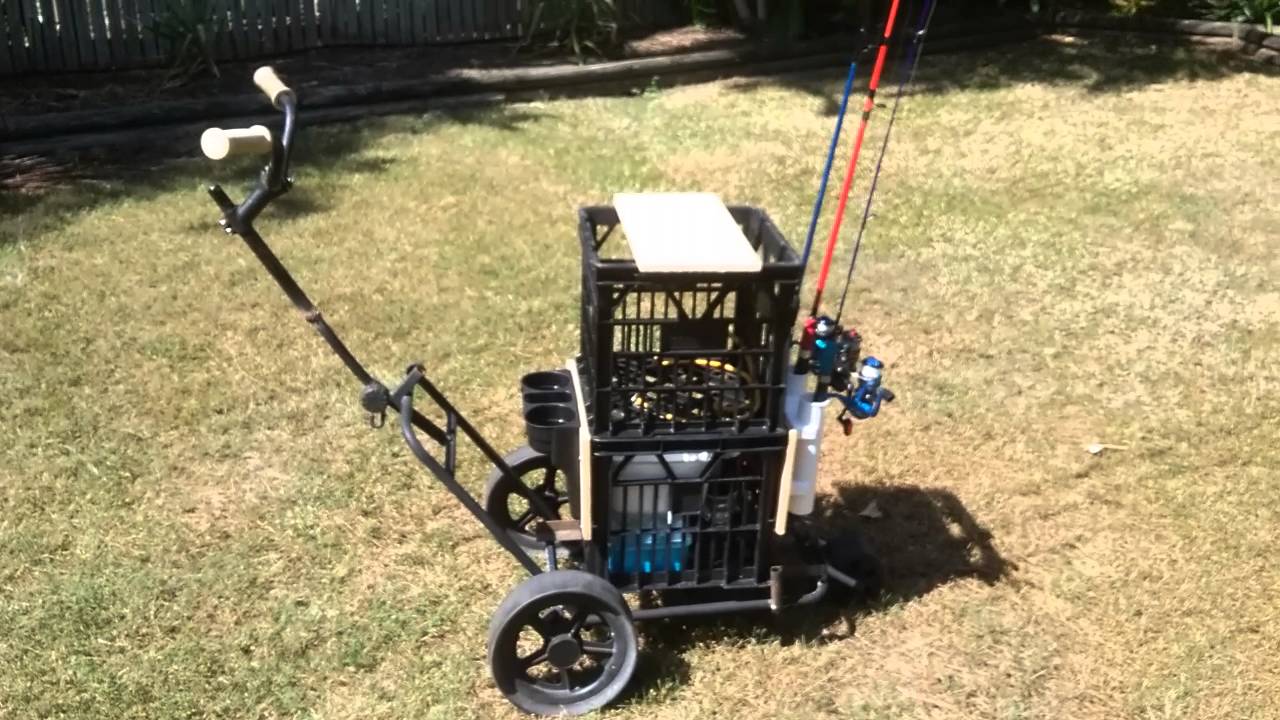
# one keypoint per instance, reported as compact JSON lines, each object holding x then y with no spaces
{"x":513,"y":512}
{"x":849,"y":553}
{"x":562,"y":643}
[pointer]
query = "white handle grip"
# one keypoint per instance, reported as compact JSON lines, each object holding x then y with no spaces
{"x":266,"y":79}
{"x":217,"y":143}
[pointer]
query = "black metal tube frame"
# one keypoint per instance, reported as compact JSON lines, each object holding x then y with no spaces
{"x":238,"y":219}
{"x":772,"y":603}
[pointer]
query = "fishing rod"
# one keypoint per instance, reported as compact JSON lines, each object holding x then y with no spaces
{"x":826,"y":170}
{"x":867,"y":107}
{"x":810,"y":333}
{"x":910,"y":62}
{"x":832,"y":351}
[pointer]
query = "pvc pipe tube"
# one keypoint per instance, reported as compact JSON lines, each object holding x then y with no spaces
{"x":807,"y":419}
{"x":796,"y":390}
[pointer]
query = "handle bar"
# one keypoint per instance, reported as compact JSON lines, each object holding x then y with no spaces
{"x":218,"y":144}
{"x":269,"y":82}
{"x":273,"y":182}
{"x":376,"y":397}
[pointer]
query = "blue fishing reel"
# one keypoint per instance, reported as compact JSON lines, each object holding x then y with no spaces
{"x":863,"y":401}
{"x":834,"y":357}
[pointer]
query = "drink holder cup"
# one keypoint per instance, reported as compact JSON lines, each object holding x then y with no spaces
{"x":551,"y":423}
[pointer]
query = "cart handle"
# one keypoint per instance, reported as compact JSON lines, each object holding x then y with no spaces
{"x":217,"y":144}
{"x":274,"y":181}
{"x":376,"y":398}
{"x":270,"y":83}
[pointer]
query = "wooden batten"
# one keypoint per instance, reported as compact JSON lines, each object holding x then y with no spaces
{"x":584,"y":453}
{"x":784,"y":487}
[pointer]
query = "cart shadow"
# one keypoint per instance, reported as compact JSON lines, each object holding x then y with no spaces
{"x":924,"y":537}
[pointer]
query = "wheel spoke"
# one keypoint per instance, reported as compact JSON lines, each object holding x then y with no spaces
{"x":544,"y":628}
{"x":523,"y":521}
{"x":549,"y":480}
{"x":533,"y":659}
{"x":578,"y":620}
{"x":564,"y":680}
{"x":598,"y":649}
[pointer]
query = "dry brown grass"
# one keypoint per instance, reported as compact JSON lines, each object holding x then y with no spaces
{"x":1072,"y":245}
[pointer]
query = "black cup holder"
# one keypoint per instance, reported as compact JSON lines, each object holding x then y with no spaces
{"x":550,"y":415}
{"x":551,"y":423}
{"x":563,"y":397}
{"x":550,"y":412}
{"x":548,"y":380}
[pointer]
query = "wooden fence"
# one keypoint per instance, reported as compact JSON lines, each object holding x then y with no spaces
{"x":38,"y":36}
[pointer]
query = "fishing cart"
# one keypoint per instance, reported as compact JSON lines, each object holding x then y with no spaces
{"x":672,"y":460}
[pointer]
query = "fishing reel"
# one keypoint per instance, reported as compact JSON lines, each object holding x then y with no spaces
{"x":835,"y":359}
{"x":863,"y":400}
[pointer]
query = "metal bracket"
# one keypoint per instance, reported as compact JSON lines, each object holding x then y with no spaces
{"x":375,"y":399}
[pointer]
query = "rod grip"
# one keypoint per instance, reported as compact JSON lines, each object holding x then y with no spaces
{"x":217,"y":143}
{"x":270,"y":83}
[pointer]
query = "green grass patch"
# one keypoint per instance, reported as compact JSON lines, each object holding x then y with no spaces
{"x":1072,"y":244}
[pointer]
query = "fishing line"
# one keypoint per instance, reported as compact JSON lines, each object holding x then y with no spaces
{"x":910,"y":62}
{"x":867,"y":107}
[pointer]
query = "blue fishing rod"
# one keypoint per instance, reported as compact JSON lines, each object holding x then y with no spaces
{"x":811,"y":339}
{"x":826,"y":170}
{"x":807,"y":334}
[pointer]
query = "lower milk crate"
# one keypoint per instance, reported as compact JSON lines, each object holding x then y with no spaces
{"x":692,"y":512}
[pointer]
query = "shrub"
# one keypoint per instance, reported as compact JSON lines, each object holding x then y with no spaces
{"x":580,"y":25}
{"x":189,"y":26}
{"x":1258,"y":12}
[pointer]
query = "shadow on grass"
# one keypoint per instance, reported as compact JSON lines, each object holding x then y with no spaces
{"x":42,"y":194}
{"x":925,"y":540}
{"x":50,"y":191}
{"x":509,"y":118}
{"x":1100,"y":63}
{"x":47,"y":193}
{"x":29,"y":187}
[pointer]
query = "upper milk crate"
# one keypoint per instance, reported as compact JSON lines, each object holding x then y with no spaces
{"x":698,"y":347}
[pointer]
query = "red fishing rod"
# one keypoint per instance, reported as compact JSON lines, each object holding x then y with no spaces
{"x":910,"y":61}
{"x":867,"y":107}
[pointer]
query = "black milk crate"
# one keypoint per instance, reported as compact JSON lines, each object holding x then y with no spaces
{"x":684,"y":352}
{"x":689,"y":511}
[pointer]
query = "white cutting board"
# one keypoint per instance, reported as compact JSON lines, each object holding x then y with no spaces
{"x":683,"y":232}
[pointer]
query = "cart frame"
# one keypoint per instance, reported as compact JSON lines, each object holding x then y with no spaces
{"x":787,"y":569}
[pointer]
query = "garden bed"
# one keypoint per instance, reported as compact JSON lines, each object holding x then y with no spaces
{"x":347,"y":93}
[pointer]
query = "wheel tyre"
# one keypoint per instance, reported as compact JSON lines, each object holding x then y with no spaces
{"x":848,"y":552}
{"x":561,"y":607}
{"x":524,"y":462}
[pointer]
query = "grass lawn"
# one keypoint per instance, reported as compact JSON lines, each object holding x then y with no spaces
{"x":1075,"y":242}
